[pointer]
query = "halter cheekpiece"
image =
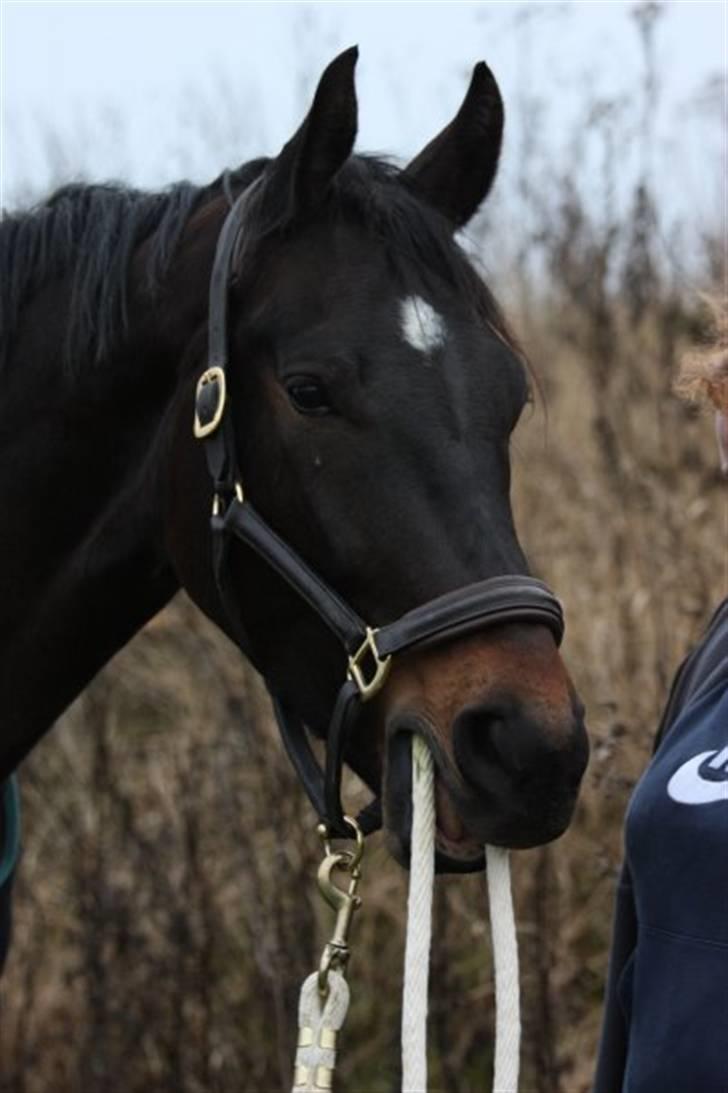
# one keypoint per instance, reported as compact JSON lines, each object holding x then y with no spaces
{"x":369,"y":650}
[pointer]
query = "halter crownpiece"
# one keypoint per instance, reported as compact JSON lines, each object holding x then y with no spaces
{"x":497,"y":600}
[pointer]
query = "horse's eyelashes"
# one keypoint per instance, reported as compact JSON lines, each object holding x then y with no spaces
{"x":308,"y":395}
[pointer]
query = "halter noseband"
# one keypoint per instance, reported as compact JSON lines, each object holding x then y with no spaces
{"x":369,"y":650}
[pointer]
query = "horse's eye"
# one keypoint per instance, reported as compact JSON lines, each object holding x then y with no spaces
{"x":308,"y":395}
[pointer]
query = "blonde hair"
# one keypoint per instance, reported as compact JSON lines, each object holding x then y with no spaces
{"x":703,"y":375}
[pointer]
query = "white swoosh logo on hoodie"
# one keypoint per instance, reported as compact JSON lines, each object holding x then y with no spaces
{"x":688,"y":787}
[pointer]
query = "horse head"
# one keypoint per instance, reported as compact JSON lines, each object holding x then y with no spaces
{"x":372,"y":390}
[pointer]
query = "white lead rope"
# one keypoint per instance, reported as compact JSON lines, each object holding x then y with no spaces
{"x":319,"y":1023}
{"x":505,"y":960}
{"x":419,"y":931}
{"x":419,"y":921}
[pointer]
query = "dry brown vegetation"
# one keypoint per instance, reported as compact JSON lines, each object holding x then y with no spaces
{"x":166,"y":908}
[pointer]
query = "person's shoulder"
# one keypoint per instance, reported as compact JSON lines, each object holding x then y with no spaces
{"x":704,"y":667}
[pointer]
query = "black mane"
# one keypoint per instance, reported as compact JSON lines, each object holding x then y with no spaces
{"x":90,"y":232}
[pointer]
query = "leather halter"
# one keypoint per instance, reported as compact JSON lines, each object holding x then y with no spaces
{"x":369,"y":651}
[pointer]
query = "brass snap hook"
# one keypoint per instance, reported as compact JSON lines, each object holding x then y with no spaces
{"x":325,"y":836}
{"x":344,"y":901}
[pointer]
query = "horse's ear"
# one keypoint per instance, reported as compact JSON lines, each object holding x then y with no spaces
{"x":301,"y":173}
{"x":455,"y":171}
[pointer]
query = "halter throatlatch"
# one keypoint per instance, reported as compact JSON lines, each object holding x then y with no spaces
{"x":368,"y":650}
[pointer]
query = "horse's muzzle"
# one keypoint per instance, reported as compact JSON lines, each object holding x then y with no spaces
{"x":501,"y":778}
{"x":521,"y":784}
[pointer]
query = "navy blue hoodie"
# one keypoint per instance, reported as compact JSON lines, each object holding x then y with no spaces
{"x":666,"y":1016}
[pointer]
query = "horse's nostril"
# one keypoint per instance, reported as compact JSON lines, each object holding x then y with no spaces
{"x":480,"y":740}
{"x":490,"y":741}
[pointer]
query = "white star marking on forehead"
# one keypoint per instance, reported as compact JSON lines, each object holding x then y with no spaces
{"x":422,"y":327}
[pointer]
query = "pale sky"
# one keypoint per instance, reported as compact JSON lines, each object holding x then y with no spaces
{"x":149,"y":92}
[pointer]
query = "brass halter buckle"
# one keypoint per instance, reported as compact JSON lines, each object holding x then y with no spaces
{"x":214,"y":375}
{"x":368,"y":655}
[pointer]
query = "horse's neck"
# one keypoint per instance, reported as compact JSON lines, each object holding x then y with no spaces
{"x":82,"y":569}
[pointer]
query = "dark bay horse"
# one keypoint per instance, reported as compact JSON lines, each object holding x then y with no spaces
{"x":372,"y":389}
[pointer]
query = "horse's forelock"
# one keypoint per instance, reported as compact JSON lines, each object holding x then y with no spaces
{"x":367,"y":192}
